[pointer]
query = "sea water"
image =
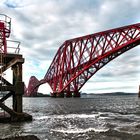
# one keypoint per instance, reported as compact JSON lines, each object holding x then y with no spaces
{"x":96,"y":117}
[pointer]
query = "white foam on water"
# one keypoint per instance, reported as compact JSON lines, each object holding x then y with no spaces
{"x":68,"y":116}
{"x":84,"y":116}
{"x":42,"y":117}
{"x":76,"y":130}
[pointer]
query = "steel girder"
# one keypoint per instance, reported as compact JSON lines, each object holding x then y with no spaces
{"x":78,"y":59}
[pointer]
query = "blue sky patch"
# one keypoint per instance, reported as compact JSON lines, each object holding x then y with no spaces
{"x":10,"y":4}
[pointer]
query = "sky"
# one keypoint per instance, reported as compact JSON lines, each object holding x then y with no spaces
{"x":43,"y":25}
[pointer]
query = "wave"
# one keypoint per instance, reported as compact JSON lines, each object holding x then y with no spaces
{"x":78,"y":130}
{"x":71,"y":116}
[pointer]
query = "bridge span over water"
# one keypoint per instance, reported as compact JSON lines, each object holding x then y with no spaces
{"x":78,"y":59}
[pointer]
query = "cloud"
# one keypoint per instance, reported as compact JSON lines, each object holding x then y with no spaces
{"x":42,"y":26}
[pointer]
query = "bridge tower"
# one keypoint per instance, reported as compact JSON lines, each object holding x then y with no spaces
{"x":10,"y":58}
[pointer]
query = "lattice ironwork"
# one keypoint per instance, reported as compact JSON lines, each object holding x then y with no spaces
{"x":32,"y":89}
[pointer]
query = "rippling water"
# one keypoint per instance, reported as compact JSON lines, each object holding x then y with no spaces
{"x":96,"y":117}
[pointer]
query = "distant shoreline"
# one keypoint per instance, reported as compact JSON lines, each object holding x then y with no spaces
{"x":93,"y":94}
{"x":111,"y":94}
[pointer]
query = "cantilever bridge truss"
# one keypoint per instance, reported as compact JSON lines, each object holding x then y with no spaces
{"x":78,"y":59}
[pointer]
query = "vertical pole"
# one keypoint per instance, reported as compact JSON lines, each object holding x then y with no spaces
{"x":14,"y":82}
{"x":4,"y":42}
{"x":19,"y":87}
{"x":139,"y":92}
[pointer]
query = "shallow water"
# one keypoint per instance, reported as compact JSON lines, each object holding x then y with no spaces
{"x":96,"y":117}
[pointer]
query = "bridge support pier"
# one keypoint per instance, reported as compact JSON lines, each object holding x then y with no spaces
{"x":53,"y":94}
{"x":57,"y":95}
{"x":60,"y":95}
{"x":68,"y":94}
{"x":77,"y":94}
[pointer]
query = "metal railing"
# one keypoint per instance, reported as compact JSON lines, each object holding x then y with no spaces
{"x":7,"y":22}
{"x":13,"y":47}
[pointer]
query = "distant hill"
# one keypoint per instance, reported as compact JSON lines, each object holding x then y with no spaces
{"x":42,"y":95}
{"x":112,"y":93}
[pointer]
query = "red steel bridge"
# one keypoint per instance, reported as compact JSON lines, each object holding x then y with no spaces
{"x":78,"y":59}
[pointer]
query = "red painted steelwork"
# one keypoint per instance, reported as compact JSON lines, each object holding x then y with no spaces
{"x":5,"y":29}
{"x":32,"y":89}
{"x":77,"y":60}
